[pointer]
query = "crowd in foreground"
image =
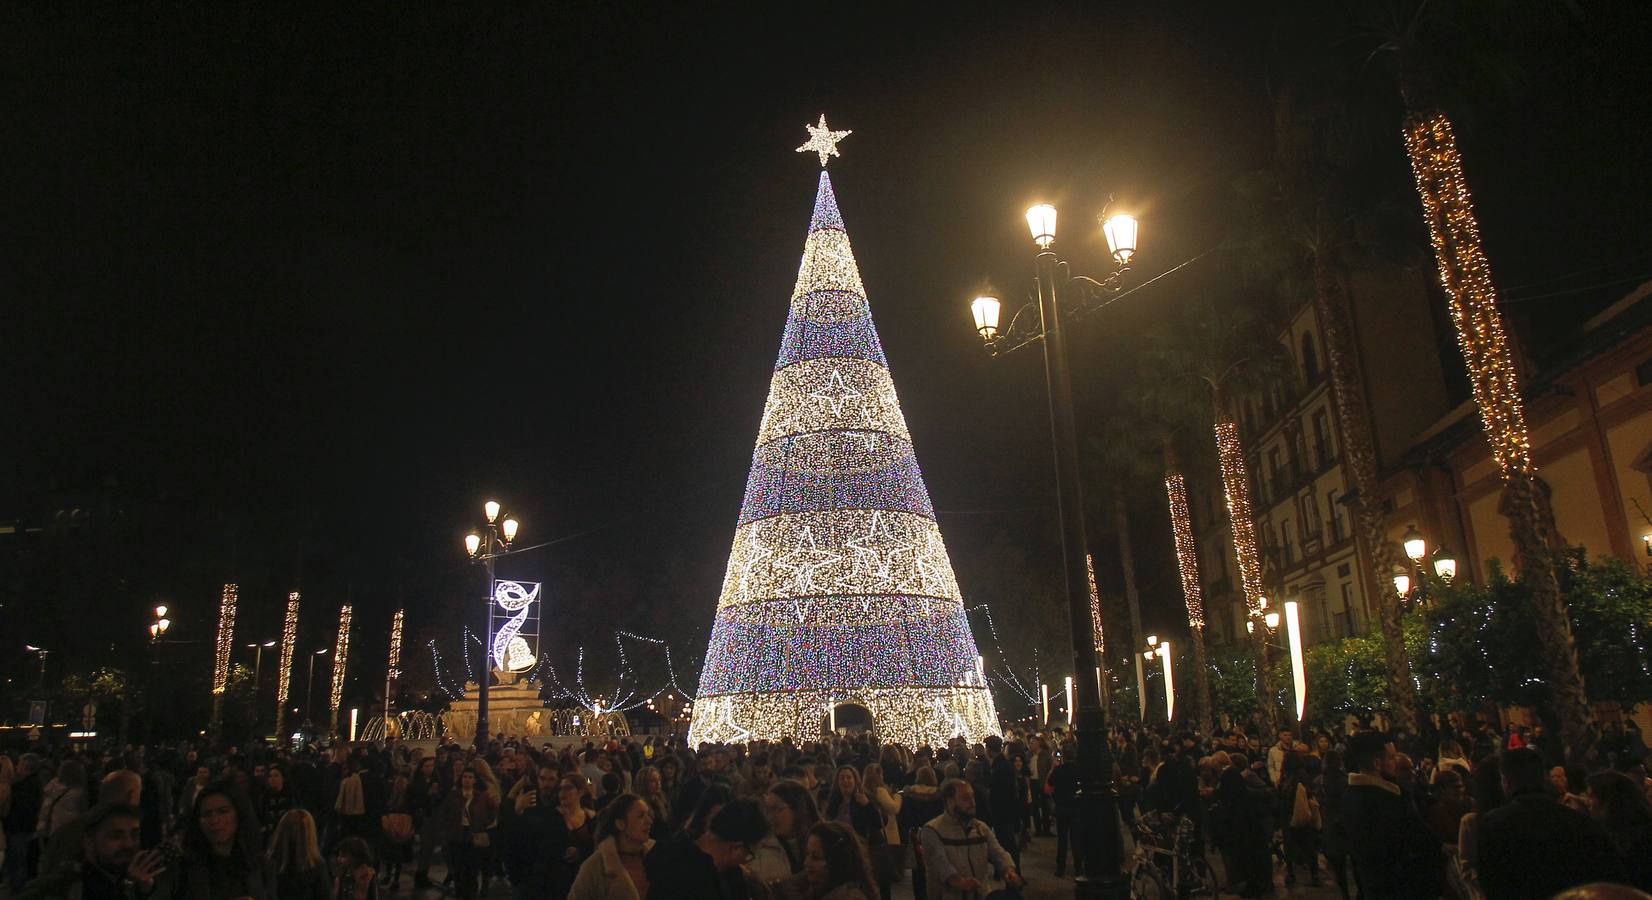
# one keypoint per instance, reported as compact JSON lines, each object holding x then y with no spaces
{"x":1455,"y":813}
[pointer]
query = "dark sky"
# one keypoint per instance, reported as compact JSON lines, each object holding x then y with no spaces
{"x":315,"y":284}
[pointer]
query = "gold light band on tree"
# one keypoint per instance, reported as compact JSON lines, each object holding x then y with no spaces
{"x":226,"y":638}
{"x":1465,"y":274}
{"x":1096,"y":633}
{"x":289,"y":640}
{"x":396,"y":645}
{"x":1236,"y":488}
{"x":341,"y":652}
{"x":1187,"y":549}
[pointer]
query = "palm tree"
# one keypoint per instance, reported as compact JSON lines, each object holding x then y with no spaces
{"x":1465,"y":274}
{"x":1307,"y":227}
{"x":1221,"y":350}
{"x":1187,"y":563}
{"x":1124,"y":460}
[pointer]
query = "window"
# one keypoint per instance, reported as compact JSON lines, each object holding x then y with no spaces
{"x":1336,"y":520}
{"x":1350,"y":615}
{"x":1322,"y":440}
{"x":1310,"y":516}
{"x":1289,"y":538}
{"x":1322,"y":615}
{"x":1310,"y":357}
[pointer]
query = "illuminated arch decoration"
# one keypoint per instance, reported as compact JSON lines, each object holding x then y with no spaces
{"x":838,"y":583}
{"x":511,"y":651}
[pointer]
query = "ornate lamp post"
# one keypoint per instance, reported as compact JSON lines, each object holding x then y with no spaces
{"x":483,"y":545}
{"x":309,"y":686}
{"x":1097,"y":802}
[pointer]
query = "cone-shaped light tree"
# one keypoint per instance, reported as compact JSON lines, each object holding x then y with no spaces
{"x":839,"y":589}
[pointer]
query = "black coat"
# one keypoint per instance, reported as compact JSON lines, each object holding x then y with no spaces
{"x":1006,"y":800}
{"x":679,"y":870}
{"x":1534,"y":846}
{"x":1398,"y":855}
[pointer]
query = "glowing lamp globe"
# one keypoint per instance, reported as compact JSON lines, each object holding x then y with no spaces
{"x":1041,"y":222}
{"x":1415,"y":546}
{"x":1402,"y":583}
{"x":985,"y":310}
{"x":491,"y":510}
{"x":473,"y":543}
{"x":1121,"y":237}
{"x":1445,"y":565}
{"x":160,"y":612}
{"x":1152,"y":640}
{"x":1271,"y":620}
{"x":509,"y":527}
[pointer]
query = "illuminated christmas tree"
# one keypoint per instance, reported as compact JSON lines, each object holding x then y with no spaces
{"x":839,"y":589}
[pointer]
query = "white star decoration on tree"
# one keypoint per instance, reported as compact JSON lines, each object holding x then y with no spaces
{"x":878,"y":547}
{"x":758,"y":552}
{"x":803,"y":570}
{"x":835,"y":393}
{"x":823,"y":140}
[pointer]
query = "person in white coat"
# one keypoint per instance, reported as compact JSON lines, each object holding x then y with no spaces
{"x":615,"y":871}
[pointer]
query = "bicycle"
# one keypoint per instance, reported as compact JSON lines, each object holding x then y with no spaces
{"x":1164,"y":866}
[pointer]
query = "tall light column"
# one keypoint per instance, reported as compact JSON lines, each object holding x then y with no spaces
{"x":1293,"y":631}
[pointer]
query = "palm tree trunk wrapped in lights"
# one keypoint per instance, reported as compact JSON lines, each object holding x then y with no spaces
{"x":1187,"y":562}
{"x":1098,"y":636}
{"x":1465,"y":273}
{"x":1360,"y":455}
{"x":1230,"y":454}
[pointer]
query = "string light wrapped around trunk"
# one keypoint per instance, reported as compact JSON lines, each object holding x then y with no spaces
{"x":341,"y":653}
{"x":1187,"y":550}
{"x":1466,"y":276}
{"x":289,"y":640}
{"x":1236,"y":487}
{"x":226,"y":638}
{"x":1095,"y":608}
{"x":393,"y":671}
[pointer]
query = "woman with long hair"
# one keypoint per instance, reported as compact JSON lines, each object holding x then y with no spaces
{"x":651,"y":788}
{"x":1624,"y":811}
{"x":300,"y":872}
{"x":791,"y":812}
{"x":222,"y":859}
{"x":849,"y":804}
{"x":568,"y":839}
{"x":62,"y":800}
{"x":353,"y":874}
{"x":615,"y":870}
{"x":835,"y":867}
{"x":274,"y":800}
{"x":889,"y":857}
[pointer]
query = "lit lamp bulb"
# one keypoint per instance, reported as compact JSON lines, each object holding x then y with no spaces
{"x":509,"y":527}
{"x":1121,"y":237}
{"x":1271,"y":620}
{"x":1041,"y":222}
{"x":1152,"y":640}
{"x":491,"y":510}
{"x":1445,"y":565}
{"x":155,"y":630}
{"x":164,"y":625}
{"x":160,"y":612}
{"x":1402,"y":583}
{"x":1415,"y":546}
{"x":985,"y":310}
{"x":473,"y":543}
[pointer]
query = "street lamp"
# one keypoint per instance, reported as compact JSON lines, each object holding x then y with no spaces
{"x":157,"y":631}
{"x":482,"y":546}
{"x":158,"y":628}
{"x":1163,"y":652}
{"x":1402,"y":581}
{"x":41,"y":652}
{"x":1097,"y":804}
{"x":309,"y":686}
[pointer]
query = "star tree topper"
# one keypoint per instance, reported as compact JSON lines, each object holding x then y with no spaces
{"x":823,"y":140}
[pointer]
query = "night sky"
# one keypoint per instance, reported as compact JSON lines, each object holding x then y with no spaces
{"x":305,"y":288}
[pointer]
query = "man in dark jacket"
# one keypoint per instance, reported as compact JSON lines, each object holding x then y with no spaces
{"x":108,"y":866}
{"x":1534,"y":845}
{"x":1006,"y":801}
{"x":708,"y":867}
{"x":1396,"y":854}
{"x":21,"y":819}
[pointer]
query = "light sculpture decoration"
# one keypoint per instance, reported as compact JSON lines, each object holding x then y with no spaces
{"x":1299,"y":678}
{"x":510,"y":650}
{"x":1236,"y":489}
{"x":838,"y":586}
{"x":341,"y":653}
{"x":1096,"y":634}
{"x":289,"y":640}
{"x":1163,"y":652}
{"x":1187,"y":550}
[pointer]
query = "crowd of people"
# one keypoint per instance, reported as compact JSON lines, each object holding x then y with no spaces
{"x":1464,"y":812}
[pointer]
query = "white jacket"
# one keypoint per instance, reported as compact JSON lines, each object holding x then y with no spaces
{"x":603,"y":876}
